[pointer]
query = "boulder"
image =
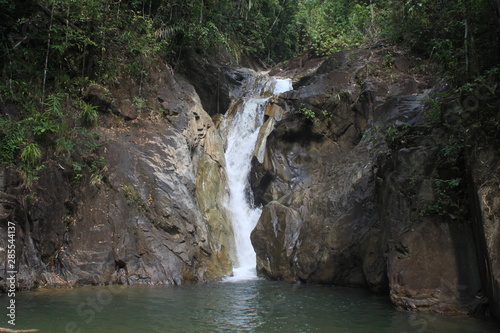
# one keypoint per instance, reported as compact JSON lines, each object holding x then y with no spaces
{"x":484,"y":168}
{"x":347,"y":178}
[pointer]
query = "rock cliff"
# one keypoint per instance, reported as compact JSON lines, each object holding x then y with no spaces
{"x":152,"y":209}
{"x":363,"y":185}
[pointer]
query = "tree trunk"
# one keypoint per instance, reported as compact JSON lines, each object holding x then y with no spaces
{"x":45,"y":69}
{"x":50,"y":13}
{"x":466,"y":48}
{"x":372,"y":23}
{"x":201,"y":11}
{"x":497,"y":9}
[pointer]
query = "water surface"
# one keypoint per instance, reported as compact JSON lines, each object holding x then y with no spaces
{"x":245,"y":306}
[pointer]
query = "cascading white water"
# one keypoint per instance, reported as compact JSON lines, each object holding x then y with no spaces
{"x":242,"y":136}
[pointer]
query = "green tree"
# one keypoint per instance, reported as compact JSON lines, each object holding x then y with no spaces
{"x":461,"y":35}
{"x":329,"y":26}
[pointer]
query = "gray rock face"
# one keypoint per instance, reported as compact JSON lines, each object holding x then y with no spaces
{"x":326,"y":210}
{"x":156,"y":215}
{"x":485,"y":191}
{"x":319,"y":176}
{"x":347,"y":198}
{"x":217,"y":85}
{"x":431,"y":260}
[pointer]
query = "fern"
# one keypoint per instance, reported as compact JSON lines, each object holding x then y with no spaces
{"x":166,"y":33}
{"x":54,"y":104}
{"x":30,"y":155}
{"x":88,"y":115}
{"x":13,"y":137}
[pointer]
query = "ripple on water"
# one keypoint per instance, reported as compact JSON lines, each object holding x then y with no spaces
{"x":246,"y":306}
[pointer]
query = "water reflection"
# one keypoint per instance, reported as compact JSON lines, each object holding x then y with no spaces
{"x":251,"y":306}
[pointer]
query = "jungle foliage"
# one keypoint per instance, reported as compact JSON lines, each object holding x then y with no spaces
{"x":52,"y":50}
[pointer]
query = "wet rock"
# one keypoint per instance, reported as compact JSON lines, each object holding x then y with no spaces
{"x":275,"y":240}
{"x":336,"y":212}
{"x":154,"y":215}
{"x":219,"y":86}
{"x":433,"y":266}
{"x":484,"y":168}
{"x":337,"y":174}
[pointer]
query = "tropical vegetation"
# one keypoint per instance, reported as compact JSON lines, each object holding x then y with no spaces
{"x":51,"y":51}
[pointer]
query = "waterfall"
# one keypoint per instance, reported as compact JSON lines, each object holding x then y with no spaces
{"x":242,"y":134}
